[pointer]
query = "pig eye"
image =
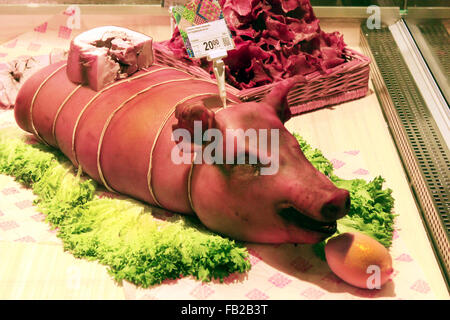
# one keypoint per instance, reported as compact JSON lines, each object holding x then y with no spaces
{"x":241,"y":170}
{"x":247,"y":166}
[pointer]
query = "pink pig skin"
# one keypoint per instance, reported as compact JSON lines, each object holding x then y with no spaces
{"x":229,"y":199}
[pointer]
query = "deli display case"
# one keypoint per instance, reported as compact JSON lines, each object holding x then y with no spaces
{"x":375,"y":119}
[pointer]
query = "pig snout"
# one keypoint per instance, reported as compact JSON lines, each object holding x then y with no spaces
{"x":337,"y":206}
{"x":312,"y":202}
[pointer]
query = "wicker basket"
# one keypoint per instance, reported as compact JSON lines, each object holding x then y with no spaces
{"x":345,"y":82}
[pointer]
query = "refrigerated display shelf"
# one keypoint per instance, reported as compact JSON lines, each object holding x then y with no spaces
{"x":420,"y":143}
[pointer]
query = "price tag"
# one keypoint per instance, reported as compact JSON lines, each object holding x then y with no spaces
{"x":208,"y":37}
{"x":205,"y":34}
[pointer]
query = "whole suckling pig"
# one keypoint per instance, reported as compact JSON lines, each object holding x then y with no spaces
{"x":123,"y":137}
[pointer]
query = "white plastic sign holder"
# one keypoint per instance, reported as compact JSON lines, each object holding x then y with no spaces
{"x":219,"y":71}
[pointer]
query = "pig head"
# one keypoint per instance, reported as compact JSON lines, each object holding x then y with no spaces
{"x":294,"y":203}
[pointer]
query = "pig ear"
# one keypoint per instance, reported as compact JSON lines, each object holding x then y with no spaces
{"x":277,"y":98}
{"x":188,"y":113}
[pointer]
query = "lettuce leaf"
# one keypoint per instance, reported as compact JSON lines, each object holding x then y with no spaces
{"x":371,"y":204}
{"x":120,"y":233}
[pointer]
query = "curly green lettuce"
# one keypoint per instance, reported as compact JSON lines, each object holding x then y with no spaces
{"x":371,"y":204}
{"x":119,"y":233}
